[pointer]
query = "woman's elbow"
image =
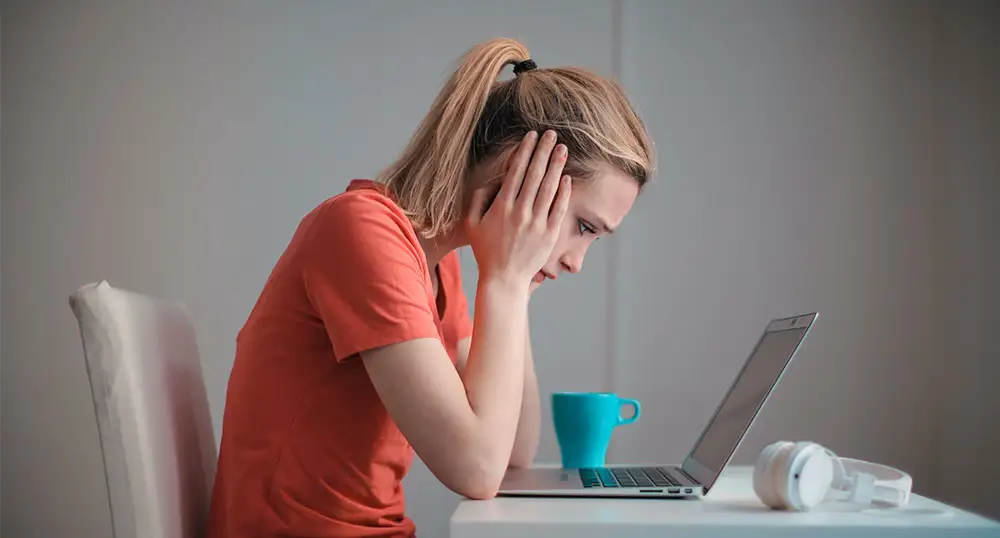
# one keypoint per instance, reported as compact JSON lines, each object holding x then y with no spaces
{"x":481,"y":492}
{"x":479,"y":487}
{"x":480,"y":481}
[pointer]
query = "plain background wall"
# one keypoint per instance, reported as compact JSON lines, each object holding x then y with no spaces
{"x":795,"y":176}
{"x":839,"y":157}
{"x":967,"y":256}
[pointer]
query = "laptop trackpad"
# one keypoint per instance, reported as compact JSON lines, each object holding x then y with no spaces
{"x":535,"y":479}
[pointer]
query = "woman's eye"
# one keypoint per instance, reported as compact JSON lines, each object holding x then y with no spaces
{"x":585,"y":227}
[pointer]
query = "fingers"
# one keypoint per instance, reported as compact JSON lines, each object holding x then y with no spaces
{"x":516,"y":169}
{"x":536,"y":171}
{"x":550,"y":184}
{"x":561,"y":203}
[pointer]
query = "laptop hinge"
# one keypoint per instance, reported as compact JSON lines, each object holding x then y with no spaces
{"x":686,"y":475}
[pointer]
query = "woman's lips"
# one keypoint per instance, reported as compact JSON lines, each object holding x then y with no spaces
{"x":541,"y":276}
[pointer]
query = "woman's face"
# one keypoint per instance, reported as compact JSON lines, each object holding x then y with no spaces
{"x":597,"y":207}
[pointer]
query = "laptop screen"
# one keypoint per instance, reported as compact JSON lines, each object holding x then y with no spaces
{"x":746,"y":396}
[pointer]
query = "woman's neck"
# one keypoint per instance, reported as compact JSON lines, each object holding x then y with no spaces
{"x":436,"y":248}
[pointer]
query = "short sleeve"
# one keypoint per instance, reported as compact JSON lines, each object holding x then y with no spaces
{"x":364,"y":275}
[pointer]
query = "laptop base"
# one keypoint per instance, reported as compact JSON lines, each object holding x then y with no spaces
{"x":630,"y":481}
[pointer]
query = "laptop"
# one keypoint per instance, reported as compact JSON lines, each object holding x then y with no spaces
{"x":711,"y":452}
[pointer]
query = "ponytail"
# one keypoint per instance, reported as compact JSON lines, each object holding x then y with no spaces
{"x":428,"y":179}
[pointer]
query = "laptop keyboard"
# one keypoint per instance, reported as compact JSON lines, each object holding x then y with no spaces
{"x":626,"y":477}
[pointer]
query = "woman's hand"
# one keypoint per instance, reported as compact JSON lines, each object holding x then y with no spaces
{"x":514,"y":237}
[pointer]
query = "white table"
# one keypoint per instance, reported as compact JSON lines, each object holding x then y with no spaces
{"x":729,"y":509}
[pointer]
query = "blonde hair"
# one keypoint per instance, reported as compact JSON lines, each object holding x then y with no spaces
{"x":475,"y":116}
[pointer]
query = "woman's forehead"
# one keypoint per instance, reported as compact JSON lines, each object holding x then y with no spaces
{"x":608,"y":194}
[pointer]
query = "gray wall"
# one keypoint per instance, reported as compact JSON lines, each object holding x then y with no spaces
{"x":830,"y":156}
{"x":794,"y":176}
{"x":966,"y":364}
{"x":842,"y":156}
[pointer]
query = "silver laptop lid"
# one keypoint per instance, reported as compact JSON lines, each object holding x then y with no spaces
{"x":746,"y":396}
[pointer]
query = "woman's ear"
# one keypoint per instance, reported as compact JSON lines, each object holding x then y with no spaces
{"x":482,"y":196}
{"x":493,"y":191}
{"x":488,"y":174}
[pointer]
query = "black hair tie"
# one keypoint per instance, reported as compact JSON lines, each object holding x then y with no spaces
{"x":526,"y":65}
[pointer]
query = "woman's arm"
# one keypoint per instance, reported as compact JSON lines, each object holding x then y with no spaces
{"x":529,"y":421}
{"x":529,"y":424}
{"x":463,"y":432}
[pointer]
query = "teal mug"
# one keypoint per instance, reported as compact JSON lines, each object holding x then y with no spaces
{"x":584,"y":422}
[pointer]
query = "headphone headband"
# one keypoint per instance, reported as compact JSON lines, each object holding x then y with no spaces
{"x":886,"y":484}
{"x":800,"y":475}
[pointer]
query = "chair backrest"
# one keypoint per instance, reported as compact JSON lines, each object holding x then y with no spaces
{"x":152,"y":411}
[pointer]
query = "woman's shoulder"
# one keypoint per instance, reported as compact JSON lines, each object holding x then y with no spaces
{"x":364,"y":204}
{"x":362,"y":196}
{"x":362,"y":217}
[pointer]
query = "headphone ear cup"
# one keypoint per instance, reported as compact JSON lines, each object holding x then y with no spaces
{"x":779,"y":475}
{"x":813,"y":478}
{"x":762,"y":483}
{"x":768,"y":489}
{"x":758,"y":472}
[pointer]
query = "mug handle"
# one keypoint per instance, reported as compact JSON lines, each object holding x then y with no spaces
{"x":637,"y":408}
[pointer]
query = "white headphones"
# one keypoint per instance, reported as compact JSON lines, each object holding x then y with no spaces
{"x":799,"y":476}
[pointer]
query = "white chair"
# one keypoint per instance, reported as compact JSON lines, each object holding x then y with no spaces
{"x":152,"y":411}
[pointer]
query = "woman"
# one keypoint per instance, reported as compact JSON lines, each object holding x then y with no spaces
{"x":360,"y":345}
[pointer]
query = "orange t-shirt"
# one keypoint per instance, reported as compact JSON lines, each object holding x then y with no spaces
{"x":308,"y":449}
